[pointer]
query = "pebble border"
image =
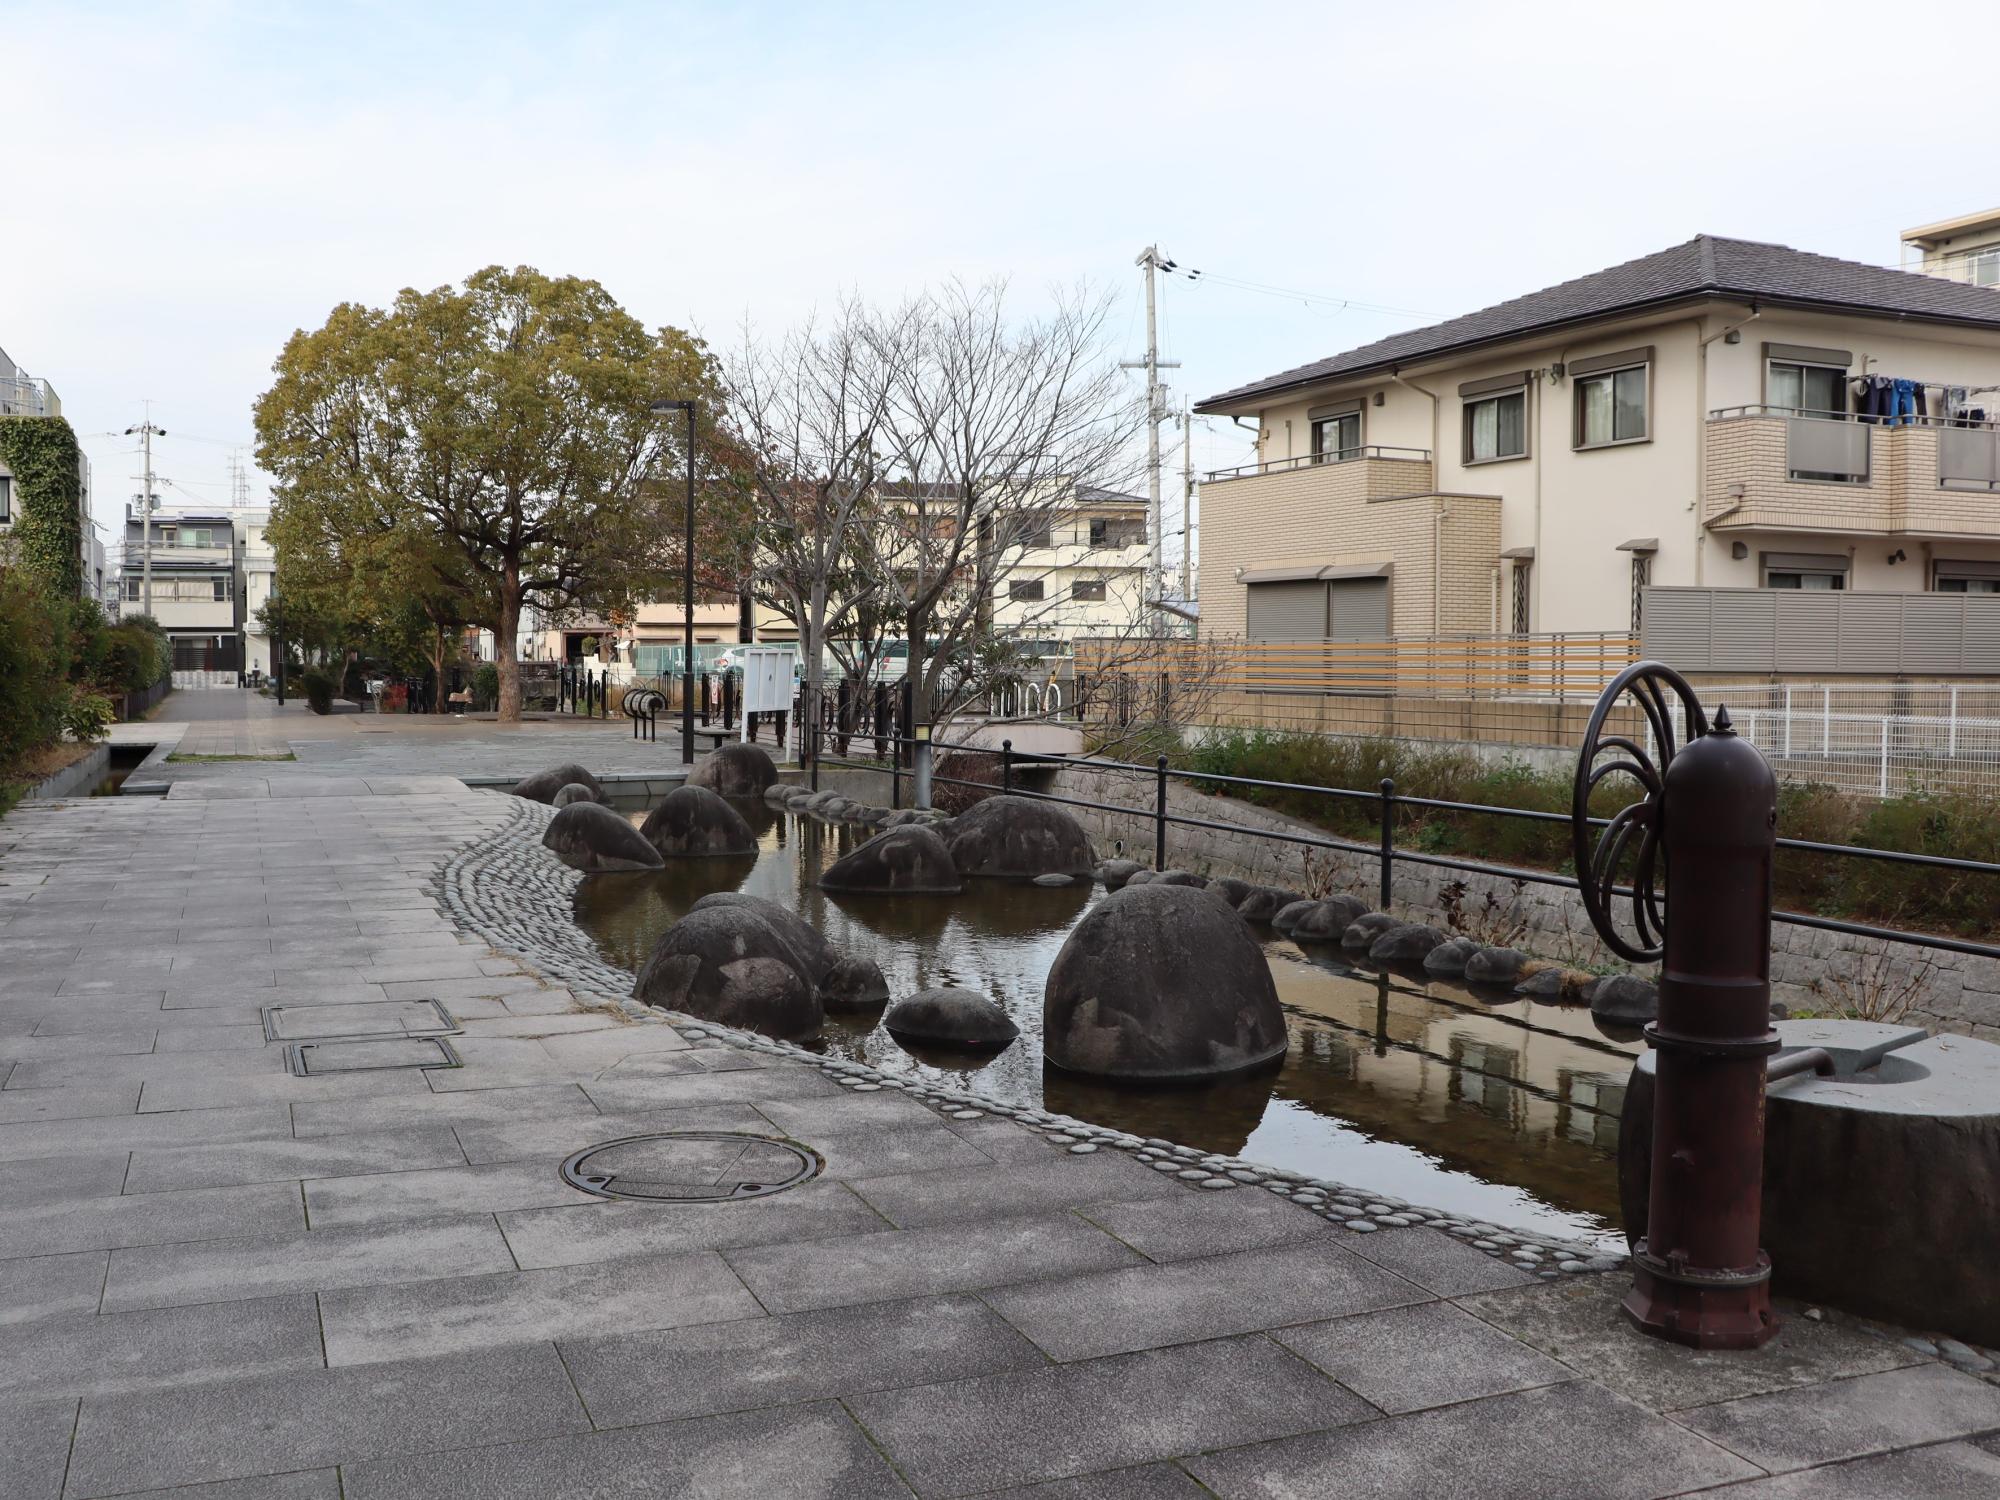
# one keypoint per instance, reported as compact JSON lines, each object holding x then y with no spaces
{"x":507,"y":889}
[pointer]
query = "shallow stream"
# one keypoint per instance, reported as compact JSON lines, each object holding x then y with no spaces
{"x":1504,"y":1111}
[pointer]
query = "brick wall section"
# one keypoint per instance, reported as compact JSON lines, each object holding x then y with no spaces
{"x":1363,"y":511}
{"x":1902,"y":493}
{"x":1963,"y":994}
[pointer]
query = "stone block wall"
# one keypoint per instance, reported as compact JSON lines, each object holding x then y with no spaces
{"x":1960,"y":992}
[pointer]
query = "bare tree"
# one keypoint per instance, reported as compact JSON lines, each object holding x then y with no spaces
{"x":808,"y":414}
{"x":987,"y":431}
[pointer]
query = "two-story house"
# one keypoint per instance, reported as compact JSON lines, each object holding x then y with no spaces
{"x":193,"y":591}
{"x":1665,"y":447}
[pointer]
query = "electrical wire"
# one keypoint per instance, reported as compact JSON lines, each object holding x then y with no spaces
{"x":1196,"y":277}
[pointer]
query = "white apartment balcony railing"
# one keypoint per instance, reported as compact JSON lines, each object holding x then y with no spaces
{"x":1315,"y":460}
{"x":1974,"y":268}
{"x":24,"y":396}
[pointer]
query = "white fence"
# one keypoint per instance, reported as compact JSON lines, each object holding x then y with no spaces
{"x":1875,"y":739}
{"x":184,"y":680}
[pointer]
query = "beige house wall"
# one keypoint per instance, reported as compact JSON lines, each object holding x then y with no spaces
{"x":1574,"y":507}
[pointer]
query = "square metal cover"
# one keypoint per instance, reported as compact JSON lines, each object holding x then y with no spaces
{"x":319,"y":1059}
{"x":371,"y":1018}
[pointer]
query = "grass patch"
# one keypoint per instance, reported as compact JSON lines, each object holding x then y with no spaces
{"x":178,"y":756}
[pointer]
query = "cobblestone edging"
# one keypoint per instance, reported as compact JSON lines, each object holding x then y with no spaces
{"x":507,"y":889}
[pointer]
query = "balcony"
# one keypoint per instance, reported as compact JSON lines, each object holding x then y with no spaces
{"x":1772,"y":468}
{"x":24,"y":396}
{"x":1370,"y":466}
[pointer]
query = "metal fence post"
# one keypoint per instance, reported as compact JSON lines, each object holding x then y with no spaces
{"x":1006,"y":766}
{"x":1388,"y":839}
{"x":811,"y":727}
{"x":1884,"y":789}
{"x":1951,"y":729}
{"x":1160,"y":815}
{"x":920,"y":765}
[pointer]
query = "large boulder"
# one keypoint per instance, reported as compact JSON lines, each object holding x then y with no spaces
{"x":731,"y":964}
{"x":1623,"y":1000}
{"x":951,"y":1018}
{"x":1327,"y":921}
{"x":1361,"y":933}
{"x":543,"y":785}
{"x":735,"y":769}
{"x":1288,"y":917}
{"x":576,"y":791}
{"x":1231,"y":889}
{"x":801,"y":934}
{"x":1116,"y":872}
{"x":1018,"y":837}
{"x":1265,"y":902}
{"x":853,"y":984}
{"x":1157,"y":983}
{"x":1447,"y":960}
{"x":590,"y":837}
{"x":691,"y":822}
{"x":1495,"y":966}
{"x":1181,"y":877}
{"x":1410,"y":943}
{"x":902,"y":860}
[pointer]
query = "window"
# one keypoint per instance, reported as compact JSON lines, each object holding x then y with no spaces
{"x":132,"y":589}
{"x":1087,"y":593}
{"x":221,"y":587}
{"x":1337,"y":437}
{"x":1819,"y":574}
{"x":1966,"y":577}
{"x":1108,"y":531}
{"x":1611,"y":407}
{"x":1968,"y":585}
{"x":1035,"y":530}
{"x":1806,"y":390}
{"x":1025,"y":591}
{"x":6,"y":498}
{"x":1496,"y":427}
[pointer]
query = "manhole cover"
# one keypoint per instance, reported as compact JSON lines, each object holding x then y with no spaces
{"x":691,"y":1166}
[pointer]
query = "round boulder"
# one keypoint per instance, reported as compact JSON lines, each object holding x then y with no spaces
{"x":590,"y":837}
{"x":1624,"y":1000}
{"x":1494,"y":966}
{"x":1409,"y":943}
{"x":1180,"y":877}
{"x":903,"y":860}
{"x":778,"y":794}
{"x":1288,"y":917}
{"x":1115,"y":872}
{"x":1265,"y":902}
{"x":735,"y":769}
{"x":853,"y":984}
{"x":730,"y":964}
{"x":543,"y":785}
{"x":951,"y":1018}
{"x":1233,"y":890}
{"x":576,"y":791}
{"x":1550,"y":983}
{"x":819,"y":954}
{"x":1364,"y":929}
{"x":1328,"y":920}
{"x":1159,"y":983}
{"x":1447,"y":960}
{"x":1018,"y":837}
{"x":691,"y":822}
{"x":1140,"y":876}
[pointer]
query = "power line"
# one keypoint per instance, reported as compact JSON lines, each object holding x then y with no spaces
{"x":1196,"y":276}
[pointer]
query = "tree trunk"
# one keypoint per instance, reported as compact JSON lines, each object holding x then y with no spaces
{"x":815,"y":652}
{"x":437,"y":670}
{"x":917,"y":666}
{"x":504,"y":658}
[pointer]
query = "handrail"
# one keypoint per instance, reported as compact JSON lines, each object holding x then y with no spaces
{"x":1314,"y":460}
{"x":1821,"y":414}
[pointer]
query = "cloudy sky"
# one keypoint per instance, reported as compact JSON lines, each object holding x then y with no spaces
{"x":185,"y":184}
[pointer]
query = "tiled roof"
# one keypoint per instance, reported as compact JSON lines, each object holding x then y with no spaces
{"x":1706,"y":266}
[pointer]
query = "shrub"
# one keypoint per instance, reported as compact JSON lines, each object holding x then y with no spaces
{"x":984,"y":770}
{"x":486,"y":687}
{"x":88,"y":715}
{"x":33,"y":668}
{"x":319,"y":691}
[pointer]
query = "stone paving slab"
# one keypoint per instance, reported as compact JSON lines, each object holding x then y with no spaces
{"x":38,"y":1180}
{"x":51,"y":1286}
{"x":1949,"y":1471}
{"x":1568,"y":1442}
{"x":916,"y":1199}
{"x":1432,"y":1354}
{"x":148,"y":1219}
{"x":35,"y":1448}
{"x":405,"y":1149}
{"x":389,"y":1197}
{"x":626,"y":1231}
{"x":1181,"y":1226}
{"x":1849,"y":1418}
{"x":159,"y":1349}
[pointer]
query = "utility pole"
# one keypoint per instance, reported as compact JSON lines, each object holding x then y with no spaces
{"x":1151,"y":262}
{"x":1187,"y":505}
{"x":147,"y":432}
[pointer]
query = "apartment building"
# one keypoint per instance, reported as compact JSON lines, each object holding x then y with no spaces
{"x":1706,"y":446}
{"x":1081,"y":571}
{"x":193,"y":591}
{"x":23,"y":395}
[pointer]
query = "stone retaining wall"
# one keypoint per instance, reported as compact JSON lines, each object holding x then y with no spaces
{"x":72,"y":781}
{"x":1962,"y":992}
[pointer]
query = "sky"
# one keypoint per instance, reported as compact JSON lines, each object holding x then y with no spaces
{"x":184,"y":185}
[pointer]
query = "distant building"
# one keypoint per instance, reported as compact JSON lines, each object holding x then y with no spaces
{"x":193,"y":591}
{"x":22,"y":395}
{"x":1083,"y":574}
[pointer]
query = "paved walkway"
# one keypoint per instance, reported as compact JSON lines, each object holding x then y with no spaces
{"x":217,"y":1275}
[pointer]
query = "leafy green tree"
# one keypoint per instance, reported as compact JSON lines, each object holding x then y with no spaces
{"x":501,"y":432}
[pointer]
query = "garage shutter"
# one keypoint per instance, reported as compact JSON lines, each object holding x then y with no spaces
{"x":1358,"y":609}
{"x":1293,"y":611}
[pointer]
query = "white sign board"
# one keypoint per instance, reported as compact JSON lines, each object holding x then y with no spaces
{"x":767,"y":680}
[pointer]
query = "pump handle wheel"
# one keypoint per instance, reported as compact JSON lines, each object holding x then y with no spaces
{"x":1636,"y":830}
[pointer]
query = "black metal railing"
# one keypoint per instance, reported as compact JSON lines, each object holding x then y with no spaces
{"x":583,"y":692}
{"x":1388,"y":805}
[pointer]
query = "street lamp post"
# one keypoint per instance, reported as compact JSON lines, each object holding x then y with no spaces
{"x":687,"y":590}
{"x":278,"y":609}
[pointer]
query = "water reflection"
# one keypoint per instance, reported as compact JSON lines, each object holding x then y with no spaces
{"x":1493,"y":1106}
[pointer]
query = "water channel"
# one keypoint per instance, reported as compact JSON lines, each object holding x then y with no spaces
{"x":1501,"y":1109}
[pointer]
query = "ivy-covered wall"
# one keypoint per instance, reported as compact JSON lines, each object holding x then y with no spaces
{"x":48,"y":496}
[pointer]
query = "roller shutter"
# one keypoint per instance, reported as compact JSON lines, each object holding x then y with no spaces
{"x":1358,"y":609}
